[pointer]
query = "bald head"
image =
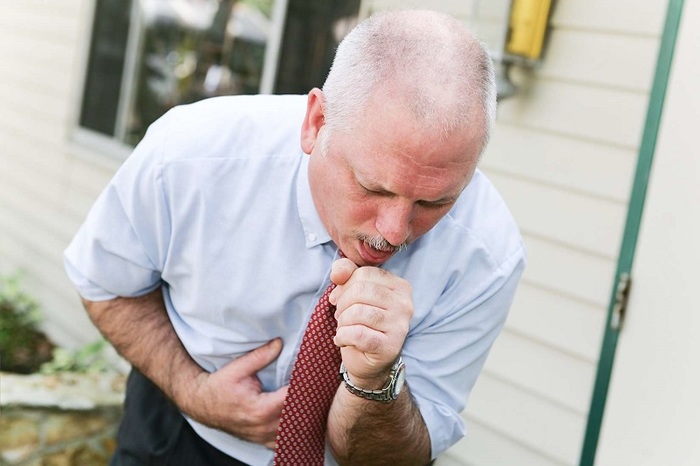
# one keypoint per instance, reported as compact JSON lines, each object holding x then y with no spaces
{"x":424,"y":61}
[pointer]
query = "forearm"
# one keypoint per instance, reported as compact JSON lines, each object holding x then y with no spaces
{"x":140,"y":330}
{"x":365,"y":432}
{"x":230,"y":399}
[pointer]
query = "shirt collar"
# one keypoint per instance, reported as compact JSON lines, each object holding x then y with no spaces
{"x":314,"y":231}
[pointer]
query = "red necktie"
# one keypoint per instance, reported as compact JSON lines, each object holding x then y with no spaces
{"x":301,"y":436}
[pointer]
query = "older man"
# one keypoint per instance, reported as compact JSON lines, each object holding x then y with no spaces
{"x":204,"y":259}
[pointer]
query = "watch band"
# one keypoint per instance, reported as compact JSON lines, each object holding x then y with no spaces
{"x":389,"y":393}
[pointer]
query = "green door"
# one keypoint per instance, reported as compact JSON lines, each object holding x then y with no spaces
{"x":616,"y":308}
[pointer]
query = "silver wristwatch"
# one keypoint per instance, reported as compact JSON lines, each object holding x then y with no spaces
{"x":391,"y":390}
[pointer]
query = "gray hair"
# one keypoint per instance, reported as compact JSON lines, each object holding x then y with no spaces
{"x":442,"y":71}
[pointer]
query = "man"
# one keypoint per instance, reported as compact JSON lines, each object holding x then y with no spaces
{"x":204,"y":257}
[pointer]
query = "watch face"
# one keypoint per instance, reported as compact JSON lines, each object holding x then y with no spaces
{"x":399,"y":381}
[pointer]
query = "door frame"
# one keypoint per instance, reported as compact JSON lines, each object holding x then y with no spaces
{"x":623,"y":280}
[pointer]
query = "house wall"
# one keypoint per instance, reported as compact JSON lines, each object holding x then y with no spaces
{"x":563,"y":155}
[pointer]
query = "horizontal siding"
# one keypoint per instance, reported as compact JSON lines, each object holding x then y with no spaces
{"x":39,"y":104}
{"x":35,"y":233}
{"x":493,"y":10}
{"x":39,"y":48}
{"x":486,"y":19}
{"x":628,"y":17}
{"x":575,"y":274}
{"x":566,"y":324}
{"x":604,"y":59}
{"x":558,"y":377}
{"x":57,"y":28}
{"x":590,"y":168}
{"x":26,"y":150}
{"x":547,"y":429}
{"x":32,"y":75}
{"x":459,"y":8}
{"x":607,"y":116}
{"x":23,"y":122}
{"x":483,"y":446}
{"x":571,"y":219}
{"x":41,"y":216}
{"x":51,"y":177}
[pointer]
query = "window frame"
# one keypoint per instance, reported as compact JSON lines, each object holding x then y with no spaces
{"x":114,"y":146}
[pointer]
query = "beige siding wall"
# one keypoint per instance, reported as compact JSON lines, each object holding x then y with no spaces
{"x":46,"y":182}
{"x":563,"y":155}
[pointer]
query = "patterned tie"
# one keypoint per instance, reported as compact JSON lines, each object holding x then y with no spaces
{"x":301,"y":436}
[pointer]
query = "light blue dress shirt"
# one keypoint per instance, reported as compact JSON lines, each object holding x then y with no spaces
{"x":214,"y":204}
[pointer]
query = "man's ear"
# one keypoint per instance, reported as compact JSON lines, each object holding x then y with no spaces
{"x":313,"y":121}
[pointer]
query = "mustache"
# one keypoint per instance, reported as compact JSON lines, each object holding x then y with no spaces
{"x":380,"y":243}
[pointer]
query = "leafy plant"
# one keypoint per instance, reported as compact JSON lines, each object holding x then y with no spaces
{"x":23,"y":347}
{"x":88,"y":359}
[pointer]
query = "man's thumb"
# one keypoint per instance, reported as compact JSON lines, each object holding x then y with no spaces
{"x":342,"y":270}
{"x":260,"y":357}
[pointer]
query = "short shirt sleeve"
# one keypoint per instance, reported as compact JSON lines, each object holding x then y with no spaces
{"x":445,"y":353}
{"x":464,"y":273}
{"x":122,"y":246}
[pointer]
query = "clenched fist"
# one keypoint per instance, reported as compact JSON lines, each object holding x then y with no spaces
{"x":373,"y":308}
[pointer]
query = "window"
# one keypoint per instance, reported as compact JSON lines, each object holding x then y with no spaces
{"x":147,"y":56}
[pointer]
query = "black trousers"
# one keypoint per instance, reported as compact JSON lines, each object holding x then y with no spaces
{"x":154,"y":433}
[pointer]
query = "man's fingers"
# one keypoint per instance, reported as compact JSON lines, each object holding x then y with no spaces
{"x":272,"y":444}
{"x":275,"y":399}
{"x":372,"y":298}
{"x":362,"y":338}
{"x":369,"y":274}
{"x":259,"y":417}
{"x":268,"y":406}
{"x":251,"y":363}
{"x":363,"y":314}
{"x":371,"y":280}
{"x":361,"y":292}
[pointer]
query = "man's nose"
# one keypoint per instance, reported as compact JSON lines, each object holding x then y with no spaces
{"x":394,"y":221}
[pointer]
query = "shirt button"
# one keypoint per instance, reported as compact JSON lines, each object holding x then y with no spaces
{"x":312,"y":237}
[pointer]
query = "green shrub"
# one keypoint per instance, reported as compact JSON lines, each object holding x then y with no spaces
{"x":23,"y":347}
{"x":87,"y":359}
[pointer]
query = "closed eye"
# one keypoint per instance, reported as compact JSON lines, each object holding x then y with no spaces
{"x":436,"y":204}
{"x":440,"y":203}
{"x":376,"y":192}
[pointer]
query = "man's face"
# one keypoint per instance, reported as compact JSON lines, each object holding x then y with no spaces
{"x":387,"y":182}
